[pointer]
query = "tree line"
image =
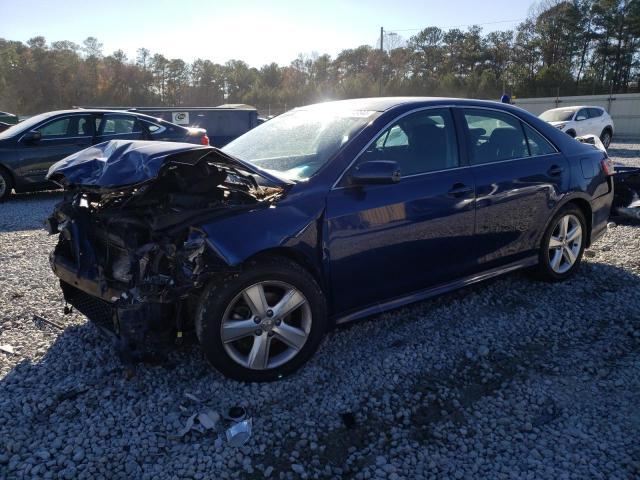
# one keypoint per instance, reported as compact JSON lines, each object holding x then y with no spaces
{"x":563,"y":47}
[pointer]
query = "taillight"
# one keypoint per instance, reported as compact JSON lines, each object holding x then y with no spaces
{"x":204,"y":140}
{"x":607,"y":167}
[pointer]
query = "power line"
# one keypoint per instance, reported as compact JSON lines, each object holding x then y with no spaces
{"x":458,"y":26}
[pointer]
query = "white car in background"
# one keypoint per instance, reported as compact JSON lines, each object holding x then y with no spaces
{"x":580,"y":121}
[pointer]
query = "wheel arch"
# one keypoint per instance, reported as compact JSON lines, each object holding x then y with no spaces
{"x":12,"y":175}
{"x":583,"y":204}
{"x":295,"y":256}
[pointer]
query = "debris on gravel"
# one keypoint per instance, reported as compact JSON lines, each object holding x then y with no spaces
{"x":511,"y":378}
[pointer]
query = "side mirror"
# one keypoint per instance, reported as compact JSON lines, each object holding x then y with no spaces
{"x":32,"y":136}
{"x":375,"y":172}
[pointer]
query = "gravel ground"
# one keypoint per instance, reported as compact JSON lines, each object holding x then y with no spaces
{"x":508,"y":379}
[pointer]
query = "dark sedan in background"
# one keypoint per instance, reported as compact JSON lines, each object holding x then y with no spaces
{"x":323,"y":215}
{"x":28,"y":149}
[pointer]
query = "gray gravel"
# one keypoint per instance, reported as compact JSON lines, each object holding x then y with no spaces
{"x":626,"y":152}
{"x":509,"y":379}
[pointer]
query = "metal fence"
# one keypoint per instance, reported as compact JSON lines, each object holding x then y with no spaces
{"x":623,"y":108}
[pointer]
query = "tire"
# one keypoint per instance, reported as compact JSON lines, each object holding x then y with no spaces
{"x":6,"y":184}
{"x":233,"y":302}
{"x":606,"y":137}
{"x":554,"y":263}
{"x":571,"y":133}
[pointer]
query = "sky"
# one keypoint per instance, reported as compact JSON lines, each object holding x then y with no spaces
{"x":258,"y":32}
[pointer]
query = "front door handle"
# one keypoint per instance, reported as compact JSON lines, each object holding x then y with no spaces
{"x":555,"y":171}
{"x":459,"y":190}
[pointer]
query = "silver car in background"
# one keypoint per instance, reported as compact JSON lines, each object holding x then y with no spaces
{"x":582,"y":120}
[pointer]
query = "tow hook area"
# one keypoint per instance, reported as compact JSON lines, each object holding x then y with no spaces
{"x":140,"y":332}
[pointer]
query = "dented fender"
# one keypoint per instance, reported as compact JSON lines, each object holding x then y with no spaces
{"x":286,"y":224}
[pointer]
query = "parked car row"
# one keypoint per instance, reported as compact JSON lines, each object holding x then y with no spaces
{"x":28,"y":149}
{"x":321,"y":216}
{"x":582,"y":120}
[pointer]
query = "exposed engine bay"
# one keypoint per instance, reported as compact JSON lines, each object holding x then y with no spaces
{"x":132,"y":258}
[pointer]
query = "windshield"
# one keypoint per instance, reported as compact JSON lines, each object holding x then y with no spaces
{"x":557,"y":115}
{"x":24,"y":126}
{"x":296,"y":144}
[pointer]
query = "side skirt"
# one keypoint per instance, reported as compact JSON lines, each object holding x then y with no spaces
{"x":434,"y":291}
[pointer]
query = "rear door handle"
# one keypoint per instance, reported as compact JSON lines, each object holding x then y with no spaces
{"x":459,"y":190}
{"x":555,"y":171}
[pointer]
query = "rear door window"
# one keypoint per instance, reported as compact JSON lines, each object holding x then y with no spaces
{"x":113,"y":125}
{"x":494,"y":136}
{"x":538,"y":145}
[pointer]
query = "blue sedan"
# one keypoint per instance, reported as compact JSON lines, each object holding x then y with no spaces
{"x":323,"y":215}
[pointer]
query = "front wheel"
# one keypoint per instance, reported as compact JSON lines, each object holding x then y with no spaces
{"x":562,"y":245}
{"x":263,"y":323}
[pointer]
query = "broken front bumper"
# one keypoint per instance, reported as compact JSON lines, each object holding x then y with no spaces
{"x":143,"y":326}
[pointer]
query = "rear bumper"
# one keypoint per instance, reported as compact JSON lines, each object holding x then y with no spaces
{"x":600,"y":210}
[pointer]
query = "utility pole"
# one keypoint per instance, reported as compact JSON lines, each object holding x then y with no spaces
{"x":381,"y":60}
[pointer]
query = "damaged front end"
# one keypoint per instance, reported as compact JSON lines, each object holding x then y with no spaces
{"x":131,"y":255}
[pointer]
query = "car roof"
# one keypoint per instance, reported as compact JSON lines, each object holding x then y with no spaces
{"x":80,"y":111}
{"x":574,"y":107}
{"x":382,"y":104}
{"x":90,"y":110}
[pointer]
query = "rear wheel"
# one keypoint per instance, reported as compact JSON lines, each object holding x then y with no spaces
{"x":6,"y":184}
{"x":606,"y":137}
{"x":562,"y":245}
{"x":262,"y":324}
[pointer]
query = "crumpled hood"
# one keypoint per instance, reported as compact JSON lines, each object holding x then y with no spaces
{"x":120,"y":163}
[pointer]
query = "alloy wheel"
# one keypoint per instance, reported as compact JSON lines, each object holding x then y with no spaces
{"x":565,"y":243}
{"x":606,"y":139}
{"x":266,"y":325}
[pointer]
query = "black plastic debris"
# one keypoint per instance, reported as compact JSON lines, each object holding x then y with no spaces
{"x":236,"y":414}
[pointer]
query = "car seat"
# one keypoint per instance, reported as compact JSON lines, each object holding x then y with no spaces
{"x":503,"y":144}
{"x":428,"y":150}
